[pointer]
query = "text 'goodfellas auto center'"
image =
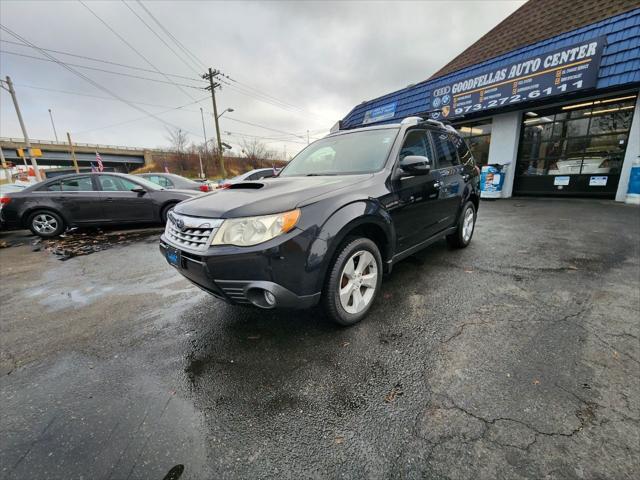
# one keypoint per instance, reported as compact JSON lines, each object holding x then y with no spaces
{"x":549,"y":97}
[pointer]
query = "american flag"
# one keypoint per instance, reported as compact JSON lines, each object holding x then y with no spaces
{"x":100,"y":164}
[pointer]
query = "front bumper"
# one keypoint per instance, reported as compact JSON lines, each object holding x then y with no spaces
{"x":243,"y":275}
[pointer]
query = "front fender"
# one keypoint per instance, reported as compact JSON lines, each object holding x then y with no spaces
{"x":338,"y":226}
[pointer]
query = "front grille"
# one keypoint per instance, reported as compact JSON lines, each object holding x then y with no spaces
{"x":191,"y":233}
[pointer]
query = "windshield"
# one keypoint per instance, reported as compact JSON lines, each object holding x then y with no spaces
{"x":350,"y":153}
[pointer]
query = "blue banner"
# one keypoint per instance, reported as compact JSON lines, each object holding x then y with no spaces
{"x":385,"y":112}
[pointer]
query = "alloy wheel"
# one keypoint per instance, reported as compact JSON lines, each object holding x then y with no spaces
{"x":467,"y":224}
{"x":358,"y":282}
{"x":45,"y":223}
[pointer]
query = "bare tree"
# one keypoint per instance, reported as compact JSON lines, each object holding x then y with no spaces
{"x":179,"y":143}
{"x":254,"y":150}
{"x":178,"y":139}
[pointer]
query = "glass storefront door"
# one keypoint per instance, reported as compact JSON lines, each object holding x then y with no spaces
{"x":575,"y":149}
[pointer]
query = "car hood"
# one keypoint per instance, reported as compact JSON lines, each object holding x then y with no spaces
{"x":273,"y":195}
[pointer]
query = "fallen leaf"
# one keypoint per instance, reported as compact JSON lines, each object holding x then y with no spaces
{"x":536,"y":381}
{"x":572,"y":267}
{"x":395,"y":392}
{"x":346,"y":344}
{"x":339,"y":440}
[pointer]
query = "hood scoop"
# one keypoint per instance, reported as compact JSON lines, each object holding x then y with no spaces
{"x":246,"y":186}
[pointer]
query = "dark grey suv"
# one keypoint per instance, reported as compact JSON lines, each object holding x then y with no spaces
{"x":344,"y":211}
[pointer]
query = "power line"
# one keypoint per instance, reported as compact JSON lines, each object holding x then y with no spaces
{"x":199,"y":64}
{"x":106,"y":24}
{"x":143,"y":118}
{"x":93,"y":59}
{"x":85,"y":77}
{"x":69,"y":92}
{"x":262,"y":126}
{"x":159,"y":37}
{"x":113,"y":72}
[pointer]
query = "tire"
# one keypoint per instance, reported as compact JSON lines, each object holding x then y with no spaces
{"x":45,"y":224}
{"x":165,"y":213}
{"x":461,"y":238}
{"x":353,"y":307}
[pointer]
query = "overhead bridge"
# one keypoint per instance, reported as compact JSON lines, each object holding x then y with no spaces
{"x":58,"y":154}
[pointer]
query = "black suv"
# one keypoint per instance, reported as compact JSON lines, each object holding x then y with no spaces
{"x":338,"y":216}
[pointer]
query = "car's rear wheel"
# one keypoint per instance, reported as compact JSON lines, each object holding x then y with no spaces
{"x":45,"y":223}
{"x":353,"y":281}
{"x":461,"y":238}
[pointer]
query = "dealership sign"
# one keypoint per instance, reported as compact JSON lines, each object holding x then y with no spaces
{"x":385,"y":112}
{"x":565,"y":70}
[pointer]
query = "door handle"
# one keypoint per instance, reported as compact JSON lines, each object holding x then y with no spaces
{"x":109,"y":199}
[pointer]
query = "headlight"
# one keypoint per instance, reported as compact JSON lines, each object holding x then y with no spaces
{"x":247,"y":231}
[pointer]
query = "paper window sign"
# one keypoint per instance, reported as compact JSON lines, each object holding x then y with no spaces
{"x":560,"y":181}
{"x":598,"y":181}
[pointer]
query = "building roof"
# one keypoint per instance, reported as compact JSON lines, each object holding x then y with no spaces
{"x":620,"y":65}
{"x":550,"y":18}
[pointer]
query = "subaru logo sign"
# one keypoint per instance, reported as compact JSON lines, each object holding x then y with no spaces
{"x":179,"y":223}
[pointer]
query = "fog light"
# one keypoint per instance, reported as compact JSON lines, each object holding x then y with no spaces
{"x":269,"y":298}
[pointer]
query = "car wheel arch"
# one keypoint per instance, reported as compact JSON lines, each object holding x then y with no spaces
{"x":39,"y":208}
{"x":364,"y":219}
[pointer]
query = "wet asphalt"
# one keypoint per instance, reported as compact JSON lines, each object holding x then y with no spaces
{"x":517,"y":357}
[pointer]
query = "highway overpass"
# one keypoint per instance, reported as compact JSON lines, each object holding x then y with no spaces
{"x":122,"y":159}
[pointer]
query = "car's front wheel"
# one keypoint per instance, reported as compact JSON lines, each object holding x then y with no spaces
{"x":45,"y":223}
{"x":353,"y":281}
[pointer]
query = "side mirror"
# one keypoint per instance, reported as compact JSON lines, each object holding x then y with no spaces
{"x":415,"y":165}
{"x":139,"y":190}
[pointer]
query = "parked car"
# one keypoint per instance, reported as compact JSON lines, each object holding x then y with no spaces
{"x":586,"y":165}
{"x":344,"y":211}
{"x":171,"y":180}
{"x":257,"y":174}
{"x":89,"y":199}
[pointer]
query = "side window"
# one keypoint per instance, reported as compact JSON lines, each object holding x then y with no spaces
{"x":445,"y":150}
{"x":464,"y":154}
{"x":52,"y":187}
{"x":415,"y":143}
{"x":154,"y":178}
{"x":77,"y":184}
{"x":115,"y":184}
{"x":165,"y":182}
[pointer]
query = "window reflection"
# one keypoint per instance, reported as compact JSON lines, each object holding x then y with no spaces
{"x":478,"y":137}
{"x":584,"y":138}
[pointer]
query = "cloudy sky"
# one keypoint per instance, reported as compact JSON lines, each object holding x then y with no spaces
{"x":291,"y":66}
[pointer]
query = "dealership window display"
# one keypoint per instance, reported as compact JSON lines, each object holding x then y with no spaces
{"x":580,"y":139}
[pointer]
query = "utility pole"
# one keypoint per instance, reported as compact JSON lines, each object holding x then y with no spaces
{"x":212,"y":76}
{"x":204,"y":131}
{"x":2,"y":159}
{"x":27,"y":144}
{"x":73,"y":153}
{"x":201,"y":170}
{"x":53,"y":125}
